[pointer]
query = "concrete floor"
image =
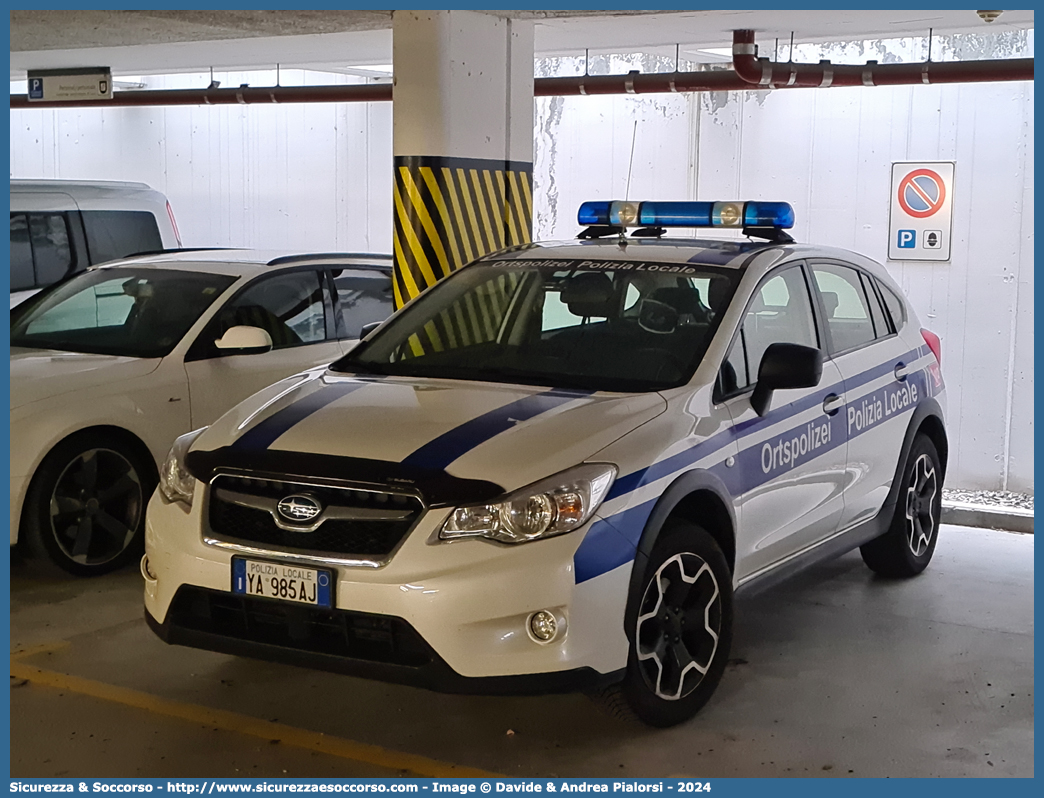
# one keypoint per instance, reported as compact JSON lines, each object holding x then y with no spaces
{"x":836,"y":673}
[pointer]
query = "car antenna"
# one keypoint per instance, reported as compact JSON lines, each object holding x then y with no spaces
{"x":627,"y":191}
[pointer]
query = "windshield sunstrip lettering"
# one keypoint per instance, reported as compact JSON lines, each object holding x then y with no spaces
{"x":594,"y":265}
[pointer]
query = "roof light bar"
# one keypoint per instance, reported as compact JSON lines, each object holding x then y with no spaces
{"x":687,"y":214}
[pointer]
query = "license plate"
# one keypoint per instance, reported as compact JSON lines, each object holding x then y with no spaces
{"x":281,"y":581}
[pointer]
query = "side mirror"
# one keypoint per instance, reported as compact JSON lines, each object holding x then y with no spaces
{"x":785,"y":366}
{"x":369,"y":328}
{"x":241,"y":340}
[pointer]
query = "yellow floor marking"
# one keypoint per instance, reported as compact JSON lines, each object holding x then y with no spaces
{"x":244,"y":724}
{"x":42,"y":648}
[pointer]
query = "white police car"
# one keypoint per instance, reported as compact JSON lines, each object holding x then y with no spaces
{"x":551,"y":471}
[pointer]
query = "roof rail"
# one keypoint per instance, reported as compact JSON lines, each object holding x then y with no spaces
{"x":329,"y":256}
{"x":173,"y":250}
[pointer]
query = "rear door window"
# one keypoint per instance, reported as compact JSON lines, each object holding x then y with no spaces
{"x":117,"y":234}
{"x":364,"y":297}
{"x":844,"y":305}
{"x":41,"y":253}
{"x":23,"y":276}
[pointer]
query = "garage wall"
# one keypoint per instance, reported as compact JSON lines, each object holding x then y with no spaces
{"x":311,"y":177}
{"x":829,"y":153}
{"x":318,"y":177}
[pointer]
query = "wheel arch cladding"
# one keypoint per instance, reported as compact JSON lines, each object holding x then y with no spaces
{"x":696,"y":496}
{"x":932,"y":426}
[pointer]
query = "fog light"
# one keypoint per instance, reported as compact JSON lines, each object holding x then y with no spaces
{"x":543,"y":626}
{"x":146,"y":571}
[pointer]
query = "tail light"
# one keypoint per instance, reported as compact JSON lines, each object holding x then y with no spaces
{"x":934,"y":343}
{"x":174,"y":224}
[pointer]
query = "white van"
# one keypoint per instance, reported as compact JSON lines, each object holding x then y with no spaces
{"x":60,"y":227}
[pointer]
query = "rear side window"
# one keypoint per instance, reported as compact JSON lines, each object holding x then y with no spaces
{"x":877,"y":312}
{"x":364,"y":297}
{"x":117,"y":234}
{"x":40,"y":250}
{"x":896,"y":308}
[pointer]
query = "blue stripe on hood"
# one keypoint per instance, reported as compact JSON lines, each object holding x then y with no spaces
{"x":264,"y":433}
{"x":443,"y":450}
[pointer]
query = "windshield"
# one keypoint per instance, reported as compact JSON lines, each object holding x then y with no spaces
{"x":597,"y":325}
{"x":127,"y":312}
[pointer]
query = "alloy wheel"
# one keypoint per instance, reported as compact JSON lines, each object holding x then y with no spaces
{"x":679,"y":623}
{"x":96,"y":507}
{"x":920,"y":505}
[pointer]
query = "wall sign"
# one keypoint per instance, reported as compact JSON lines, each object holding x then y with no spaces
{"x":920,"y":222}
{"x":56,"y":85}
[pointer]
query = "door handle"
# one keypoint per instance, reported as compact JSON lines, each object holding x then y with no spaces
{"x":901,"y":371}
{"x":832,"y":404}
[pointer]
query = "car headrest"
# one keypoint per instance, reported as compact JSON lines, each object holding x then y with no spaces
{"x":589,"y":294}
{"x":683,"y":300}
{"x":830,"y":302}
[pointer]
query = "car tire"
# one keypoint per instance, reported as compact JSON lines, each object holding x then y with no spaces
{"x":85,"y":508}
{"x":907,"y":547}
{"x":682,"y":631}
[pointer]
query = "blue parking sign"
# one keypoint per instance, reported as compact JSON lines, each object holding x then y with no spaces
{"x":907,"y":239}
{"x":36,"y":88}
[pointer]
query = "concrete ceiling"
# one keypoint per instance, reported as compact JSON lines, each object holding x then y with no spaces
{"x":151,"y":42}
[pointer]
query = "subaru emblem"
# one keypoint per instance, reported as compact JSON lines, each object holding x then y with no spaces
{"x":299,"y":507}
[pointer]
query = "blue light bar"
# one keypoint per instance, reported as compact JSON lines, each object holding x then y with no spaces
{"x":687,"y":214}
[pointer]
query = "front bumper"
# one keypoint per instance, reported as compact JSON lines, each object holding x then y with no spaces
{"x":356,"y":644}
{"x":451,"y":617}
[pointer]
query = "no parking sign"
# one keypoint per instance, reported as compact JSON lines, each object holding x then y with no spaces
{"x":921,"y":219}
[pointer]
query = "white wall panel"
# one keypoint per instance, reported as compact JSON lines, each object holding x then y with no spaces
{"x":310,"y":177}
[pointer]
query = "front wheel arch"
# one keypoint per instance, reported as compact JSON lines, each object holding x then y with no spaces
{"x":699,"y":497}
{"x":118,"y":436}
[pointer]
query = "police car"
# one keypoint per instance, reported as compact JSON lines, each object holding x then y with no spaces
{"x":552,"y":470}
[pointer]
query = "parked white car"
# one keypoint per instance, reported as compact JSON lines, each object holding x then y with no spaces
{"x":60,"y":227}
{"x":550,"y":471}
{"x":109,"y":367}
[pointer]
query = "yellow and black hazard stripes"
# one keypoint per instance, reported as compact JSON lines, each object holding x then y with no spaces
{"x":449,"y":211}
{"x":475,"y":318}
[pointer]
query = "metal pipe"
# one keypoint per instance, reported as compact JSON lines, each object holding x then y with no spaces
{"x":765,"y":74}
{"x":246,"y":95}
{"x":750,"y":72}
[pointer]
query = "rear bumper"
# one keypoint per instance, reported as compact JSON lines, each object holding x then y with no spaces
{"x":379,"y":647}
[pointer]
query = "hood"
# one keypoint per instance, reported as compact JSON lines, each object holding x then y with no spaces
{"x":509,"y":435}
{"x":44,"y":373}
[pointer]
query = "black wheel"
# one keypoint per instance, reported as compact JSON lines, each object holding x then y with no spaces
{"x":85,"y":510}
{"x":682,"y":634}
{"x":907,"y":547}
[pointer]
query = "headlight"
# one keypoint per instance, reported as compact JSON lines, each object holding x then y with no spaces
{"x":176,"y":484}
{"x":558,"y":504}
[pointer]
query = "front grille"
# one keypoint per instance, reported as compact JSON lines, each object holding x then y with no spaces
{"x":339,"y":633}
{"x":232,"y":519}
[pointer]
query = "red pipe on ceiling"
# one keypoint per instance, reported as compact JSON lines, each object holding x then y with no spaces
{"x":765,"y":74}
{"x":749,"y":72}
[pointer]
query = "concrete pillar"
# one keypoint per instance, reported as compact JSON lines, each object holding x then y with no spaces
{"x":463,"y":141}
